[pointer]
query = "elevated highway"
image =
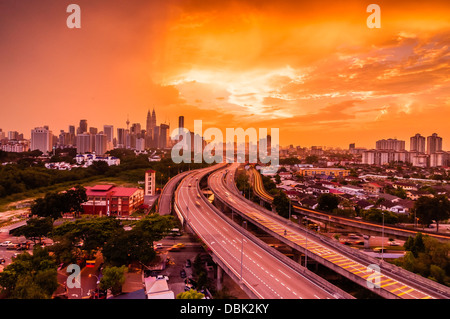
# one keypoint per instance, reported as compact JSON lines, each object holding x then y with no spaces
{"x":391,"y":281}
{"x":372,"y":228}
{"x":261,"y":272}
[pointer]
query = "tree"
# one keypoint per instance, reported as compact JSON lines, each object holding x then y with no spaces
{"x":30,"y":276}
{"x":113,"y":279}
{"x":35,"y":229}
{"x":191,"y":294}
{"x":376,"y":215}
{"x":328,"y":202}
{"x":282,"y":203}
{"x":432,"y":209}
{"x":55,"y":204}
{"x":89,"y":234}
{"x":136,"y":244}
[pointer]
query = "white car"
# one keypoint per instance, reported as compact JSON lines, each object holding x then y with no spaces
{"x":5,"y":243}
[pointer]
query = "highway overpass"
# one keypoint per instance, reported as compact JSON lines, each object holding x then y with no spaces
{"x":393,"y":281}
{"x":260,"y":271}
{"x":369,"y":227}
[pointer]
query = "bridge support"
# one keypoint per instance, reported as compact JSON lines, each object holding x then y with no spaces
{"x":219,"y":278}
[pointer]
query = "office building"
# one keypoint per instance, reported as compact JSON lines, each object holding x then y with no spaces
{"x":84,"y":143}
{"x":41,"y":139}
{"x":101,"y":141}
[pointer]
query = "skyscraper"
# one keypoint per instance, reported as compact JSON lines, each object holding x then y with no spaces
{"x":434,"y":144}
{"x":153,"y":119}
{"x":100,"y":143}
{"x":148,"y":126}
{"x":121,"y":138}
{"x":84,"y":143}
{"x":83,"y":127}
{"x":180,"y":126}
{"x":417,"y":143}
{"x":41,"y":139}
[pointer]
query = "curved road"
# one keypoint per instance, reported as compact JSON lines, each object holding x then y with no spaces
{"x":227,"y":190}
{"x":262,"y":273}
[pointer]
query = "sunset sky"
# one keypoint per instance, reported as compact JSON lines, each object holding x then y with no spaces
{"x":313,"y":69}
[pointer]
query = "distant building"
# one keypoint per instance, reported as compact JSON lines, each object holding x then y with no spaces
{"x":417,"y":143}
{"x":83,"y":143}
{"x":41,"y":139}
{"x":150,"y":182}
{"x":434,"y":144}
{"x":109,"y":200}
{"x":338,"y":172}
{"x":390,"y":144}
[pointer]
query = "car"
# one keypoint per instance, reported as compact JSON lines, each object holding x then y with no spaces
{"x":179,"y":245}
{"x":2,"y":261}
{"x":11,"y":246}
{"x":5,"y":243}
{"x":188,"y":263}
{"x":159,"y":246}
{"x":182,"y":273}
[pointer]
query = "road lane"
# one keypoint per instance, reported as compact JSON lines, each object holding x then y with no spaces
{"x":264,"y":274}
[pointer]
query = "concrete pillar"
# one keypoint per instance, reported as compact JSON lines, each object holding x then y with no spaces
{"x":219,"y":278}
{"x":297,"y":256}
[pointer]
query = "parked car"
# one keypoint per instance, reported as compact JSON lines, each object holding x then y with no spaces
{"x":188,"y":263}
{"x":11,"y":246}
{"x":5,"y":243}
{"x":183,"y":273}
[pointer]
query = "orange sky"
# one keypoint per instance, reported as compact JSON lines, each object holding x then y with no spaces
{"x":315,"y":71}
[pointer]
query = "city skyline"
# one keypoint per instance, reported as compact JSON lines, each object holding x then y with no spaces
{"x":316,"y":71}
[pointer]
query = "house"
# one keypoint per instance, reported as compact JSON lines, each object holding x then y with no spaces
{"x":364,"y":204}
{"x":374,"y":188}
{"x":415,"y":195}
{"x":405,"y":186}
{"x":157,"y":288}
{"x":400,"y":207}
{"x":110,"y":200}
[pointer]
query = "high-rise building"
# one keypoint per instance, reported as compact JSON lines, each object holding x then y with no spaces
{"x":121,"y":138}
{"x":41,"y":139}
{"x":153,"y":119}
{"x":84,"y":143}
{"x":390,"y":144}
{"x":417,"y":143}
{"x":109,"y":131}
{"x":83,"y":128}
{"x":100,"y":143}
{"x":434,"y":144}
{"x":164,"y":135}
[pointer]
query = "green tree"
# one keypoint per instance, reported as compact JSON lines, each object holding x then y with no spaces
{"x":327,"y":202}
{"x":90,"y":234}
{"x":30,"y":276}
{"x":35,"y":229}
{"x":113,"y":279}
{"x":432,"y":209}
{"x":191,"y":294}
{"x":282,"y":203}
{"x":137,"y":244}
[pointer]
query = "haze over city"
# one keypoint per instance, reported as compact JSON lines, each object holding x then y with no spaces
{"x":316,"y":71}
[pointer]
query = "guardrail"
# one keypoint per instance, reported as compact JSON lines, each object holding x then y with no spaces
{"x":401,"y":274}
{"x":319,"y":281}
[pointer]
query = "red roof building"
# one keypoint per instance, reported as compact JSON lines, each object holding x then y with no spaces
{"x":109,"y":200}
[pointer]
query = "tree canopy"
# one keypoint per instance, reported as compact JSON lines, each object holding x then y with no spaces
{"x":30,"y":276}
